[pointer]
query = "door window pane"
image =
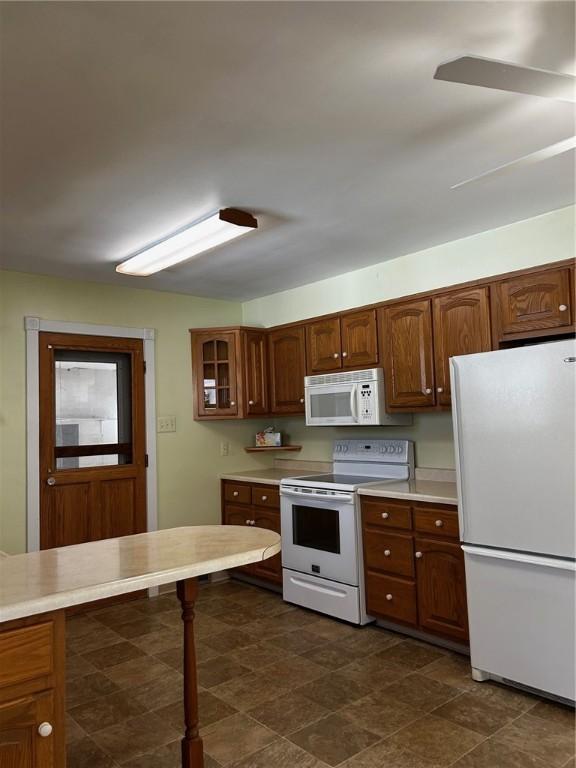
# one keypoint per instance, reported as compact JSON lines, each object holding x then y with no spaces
{"x":93,"y":408}
{"x":316,"y":528}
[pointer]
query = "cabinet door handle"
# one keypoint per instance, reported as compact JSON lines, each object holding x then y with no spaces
{"x":235,"y":493}
{"x":562,"y":307}
{"x":45,"y":729}
{"x":232,"y":402}
{"x":388,"y":597}
{"x":250,"y":402}
{"x":439,"y":523}
{"x":418,"y":555}
{"x":336,"y":355}
{"x":252,"y":522}
{"x":387,"y":553}
{"x":385,"y":515}
{"x":428,"y":391}
{"x":302,"y":400}
{"x":248,"y":522}
{"x":344,"y":354}
{"x":51,"y":481}
{"x":440,"y":389}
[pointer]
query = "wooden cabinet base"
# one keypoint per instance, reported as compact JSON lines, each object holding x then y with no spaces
{"x":32,"y":657}
{"x":414,"y":567}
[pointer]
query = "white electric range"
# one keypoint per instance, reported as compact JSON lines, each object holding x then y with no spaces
{"x":321,"y":526}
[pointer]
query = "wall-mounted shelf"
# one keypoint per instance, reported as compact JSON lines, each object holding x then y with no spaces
{"x":264,"y":448}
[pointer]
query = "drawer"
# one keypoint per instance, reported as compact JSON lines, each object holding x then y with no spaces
{"x":392,"y":552}
{"x":26,"y":653}
{"x":238,"y":493}
{"x":385,"y":513}
{"x":391,"y":598}
{"x":266,"y":496}
{"x":437,"y":521}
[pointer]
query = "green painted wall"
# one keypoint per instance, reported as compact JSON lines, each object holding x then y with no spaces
{"x":539,"y":240}
{"x":189,"y":459}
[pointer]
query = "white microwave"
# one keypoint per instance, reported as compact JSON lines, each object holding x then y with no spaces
{"x":353,"y":398}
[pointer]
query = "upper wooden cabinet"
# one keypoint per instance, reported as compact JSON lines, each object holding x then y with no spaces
{"x":359,"y":339}
{"x":461,"y":327}
{"x":229,"y":371}
{"x":532,"y":303}
{"x":254,"y":372}
{"x":254,"y":359}
{"x":348,"y":341}
{"x":406,"y":334}
{"x":287,"y":357}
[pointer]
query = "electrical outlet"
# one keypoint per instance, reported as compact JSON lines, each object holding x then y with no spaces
{"x":167,"y":424}
{"x":224,"y":448}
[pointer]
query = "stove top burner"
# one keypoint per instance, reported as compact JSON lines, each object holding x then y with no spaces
{"x":342,"y":479}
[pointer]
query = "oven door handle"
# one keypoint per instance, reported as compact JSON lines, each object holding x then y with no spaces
{"x":354,"y":402}
{"x":332,"y":591}
{"x":347,"y":498}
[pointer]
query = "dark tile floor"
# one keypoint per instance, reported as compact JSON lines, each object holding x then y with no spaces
{"x":286,"y":688}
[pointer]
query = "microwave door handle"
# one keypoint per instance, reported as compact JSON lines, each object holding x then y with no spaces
{"x":354,"y":401}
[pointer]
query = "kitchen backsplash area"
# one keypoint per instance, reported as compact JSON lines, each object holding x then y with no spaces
{"x":431,"y":434}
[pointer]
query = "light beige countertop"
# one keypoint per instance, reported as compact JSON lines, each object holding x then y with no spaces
{"x":434,"y":491}
{"x":58,"y":578}
{"x":267,"y":476}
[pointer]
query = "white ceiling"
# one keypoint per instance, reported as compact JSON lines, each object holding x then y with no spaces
{"x":124,"y":121}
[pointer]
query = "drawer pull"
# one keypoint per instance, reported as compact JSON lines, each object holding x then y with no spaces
{"x":235,"y":493}
{"x":250,"y":402}
{"x":385,"y":515}
{"x":387,"y":553}
{"x":439,"y":523}
{"x":264,"y":498}
{"x":45,"y":729}
{"x":232,"y":403}
{"x":301,"y":399}
{"x":562,"y":307}
{"x":388,"y":597}
{"x":418,"y":555}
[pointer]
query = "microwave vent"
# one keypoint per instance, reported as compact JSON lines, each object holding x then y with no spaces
{"x":350,"y":377}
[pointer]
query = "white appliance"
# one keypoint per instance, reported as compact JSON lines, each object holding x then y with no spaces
{"x":349,"y":398}
{"x":514,"y":419}
{"x":321,"y":527}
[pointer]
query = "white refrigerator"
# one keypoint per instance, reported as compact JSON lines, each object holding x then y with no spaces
{"x":514,"y":428}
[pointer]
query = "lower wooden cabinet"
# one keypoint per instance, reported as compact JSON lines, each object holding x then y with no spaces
{"x":414,"y":566}
{"x":257,"y":505}
{"x":21,"y":745}
{"x":31,"y":686}
{"x":441,"y":586}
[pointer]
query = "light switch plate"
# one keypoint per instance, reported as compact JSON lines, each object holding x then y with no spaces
{"x":166,"y":423}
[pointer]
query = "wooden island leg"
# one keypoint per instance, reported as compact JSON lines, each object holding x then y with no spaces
{"x":192,"y":749}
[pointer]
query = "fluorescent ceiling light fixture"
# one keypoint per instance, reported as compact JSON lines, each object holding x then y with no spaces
{"x":216,"y":229}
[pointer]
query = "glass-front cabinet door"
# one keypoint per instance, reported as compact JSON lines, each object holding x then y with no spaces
{"x":214,"y":360}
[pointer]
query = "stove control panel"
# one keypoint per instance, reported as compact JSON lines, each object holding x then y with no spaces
{"x":382,"y":451}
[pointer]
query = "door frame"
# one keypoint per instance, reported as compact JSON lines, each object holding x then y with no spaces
{"x":33,"y":326}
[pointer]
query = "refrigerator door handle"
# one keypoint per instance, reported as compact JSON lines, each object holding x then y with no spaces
{"x":520,"y":557}
{"x":454,"y":388}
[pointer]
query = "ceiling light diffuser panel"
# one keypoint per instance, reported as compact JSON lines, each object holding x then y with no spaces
{"x":218,"y":228}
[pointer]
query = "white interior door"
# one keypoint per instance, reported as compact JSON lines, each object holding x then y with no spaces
{"x":514,"y":421}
